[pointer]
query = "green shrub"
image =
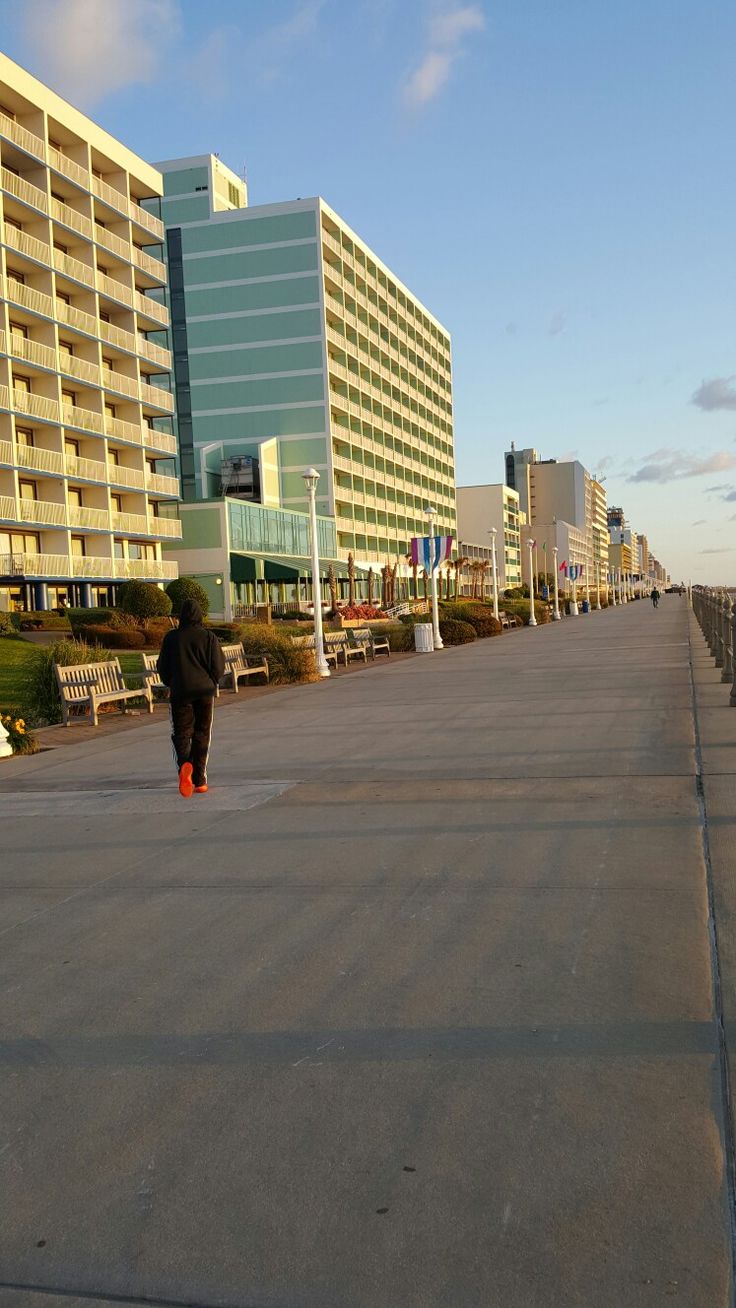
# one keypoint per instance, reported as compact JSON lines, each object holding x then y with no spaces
{"x":227,"y":632}
{"x":521,"y":609}
{"x":40,"y":620}
{"x":456,"y":633}
{"x":400,"y":636}
{"x":116,"y":637}
{"x":286,"y":662}
{"x":7,"y":625}
{"x":479,"y":616}
{"x":184,"y":588}
{"x":19,"y":737}
{"x":144,"y":600}
{"x":41,"y":693}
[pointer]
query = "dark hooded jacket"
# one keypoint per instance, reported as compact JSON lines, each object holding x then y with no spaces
{"x":191,"y":662}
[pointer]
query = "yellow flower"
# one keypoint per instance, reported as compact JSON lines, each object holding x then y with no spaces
{"x":20,"y":726}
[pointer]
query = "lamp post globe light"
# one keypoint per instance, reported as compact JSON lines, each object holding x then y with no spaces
{"x":556,"y":613}
{"x":492,"y":534}
{"x":433,"y":580}
{"x":532,"y":615}
{"x":311,"y":477}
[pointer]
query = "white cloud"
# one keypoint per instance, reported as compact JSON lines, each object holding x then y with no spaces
{"x":87,"y":49}
{"x":676,"y":465}
{"x":449,"y":26}
{"x":718,"y":393}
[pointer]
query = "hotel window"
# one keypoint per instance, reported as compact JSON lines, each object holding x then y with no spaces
{"x":14,"y":276}
{"x":75,"y":496}
{"x":117,"y":503}
{"x":28,"y":490}
{"x":63,"y":297}
{"x":18,"y":329}
{"x":118,"y":549}
{"x":63,"y":249}
{"x":71,"y":447}
{"x":78,"y":547}
{"x":25,"y":542}
{"x":22,"y":384}
{"x":24,"y":437}
{"x":68,"y":399}
{"x":12,"y":222}
{"x":66,"y":350}
{"x":109,"y":410}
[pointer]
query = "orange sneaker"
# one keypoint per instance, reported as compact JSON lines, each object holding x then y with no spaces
{"x":201,"y":790}
{"x":185,"y":781}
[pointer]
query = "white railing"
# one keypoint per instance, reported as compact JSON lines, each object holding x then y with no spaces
{"x":29,"y":298}
{"x":38,"y":406}
{"x":112,"y":242}
{"x":84,"y":322}
{"x":153,"y":569}
{"x":93,"y":519}
{"x":23,"y":190}
{"x":8,"y":508}
{"x":32,"y":351}
{"x":69,"y":167}
{"x":165,"y":527}
{"x":159,"y":440}
{"x":151,"y":308}
{"x":147,"y":220}
{"x":117,"y":336}
{"x":86,"y":469}
{"x":161,"y":482}
{"x":157,"y":397}
{"x":82,"y":369}
{"x":135,"y":522}
{"x":75,"y":416}
{"x":124,"y":431}
{"x":34,"y":565}
{"x":117,"y":381}
{"x":90,"y":565}
{"x":156,"y":353}
{"x":46,"y":511}
{"x":22,"y":136}
{"x":73,"y":268}
{"x":38,"y":458}
{"x":149,"y":264}
{"x":26,"y":244}
{"x":110,"y":195}
{"x":114,"y":289}
{"x":78,"y":222}
{"x":119,"y":475}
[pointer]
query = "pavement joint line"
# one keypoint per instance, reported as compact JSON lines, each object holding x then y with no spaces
{"x":105,"y":1296}
{"x":729,"y":1144}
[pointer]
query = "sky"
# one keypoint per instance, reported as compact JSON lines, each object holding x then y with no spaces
{"x":554,"y":180}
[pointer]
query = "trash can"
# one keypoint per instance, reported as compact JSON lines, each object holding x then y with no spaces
{"x":586,"y":606}
{"x":423,"y":638}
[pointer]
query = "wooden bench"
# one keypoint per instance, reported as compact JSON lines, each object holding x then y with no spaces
{"x":509,"y":620}
{"x":367,"y":640}
{"x":151,"y":677}
{"x":239,"y":665}
{"x":88,"y":685}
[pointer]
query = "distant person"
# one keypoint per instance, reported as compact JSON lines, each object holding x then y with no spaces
{"x":655,"y":598}
{"x":191,"y":665}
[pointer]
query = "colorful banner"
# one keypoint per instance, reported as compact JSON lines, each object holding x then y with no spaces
{"x":429,"y":552}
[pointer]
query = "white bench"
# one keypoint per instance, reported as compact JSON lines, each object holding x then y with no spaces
{"x":87,"y":685}
{"x":239,"y":665}
{"x":151,"y":677}
{"x":370,"y":641}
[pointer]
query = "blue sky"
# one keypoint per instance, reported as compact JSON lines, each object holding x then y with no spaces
{"x":554,"y":180}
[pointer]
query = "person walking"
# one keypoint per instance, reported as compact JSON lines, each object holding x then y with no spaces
{"x":191,"y":665}
{"x":655,"y":598}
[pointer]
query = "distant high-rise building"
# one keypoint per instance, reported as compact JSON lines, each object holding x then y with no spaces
{"x":88,"y":483}
{"x":562,"y":492}
{"x":479,"y":510}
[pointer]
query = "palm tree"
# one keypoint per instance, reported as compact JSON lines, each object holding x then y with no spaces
{"x":351,"y":579}
{"x":332,"y":583}
{"x":370,"y":585}
{"x":459,"y":566}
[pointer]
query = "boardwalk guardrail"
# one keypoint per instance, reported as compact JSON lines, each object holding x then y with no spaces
{"x":715,"y":612}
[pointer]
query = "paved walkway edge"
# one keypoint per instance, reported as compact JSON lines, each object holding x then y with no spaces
{"x":710,"y":700}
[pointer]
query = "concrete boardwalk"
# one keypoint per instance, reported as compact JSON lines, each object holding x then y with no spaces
{"x":414,"y":1010}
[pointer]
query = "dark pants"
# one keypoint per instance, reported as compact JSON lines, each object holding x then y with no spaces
{"x":191,"y":728}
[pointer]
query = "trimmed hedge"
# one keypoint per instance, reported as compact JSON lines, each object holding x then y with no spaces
{"x":144,"y":600}
{"x":521,"y":609}
{"x":456,"y":633}
{"x":116,"y":637}
{"x":184,"y":588}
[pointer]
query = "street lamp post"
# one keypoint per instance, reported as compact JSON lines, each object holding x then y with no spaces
{"x":433,"y":579}
{"x":532,"y":615}
{"x":492,"y":534}
{"x":311,"y":477}
{"x":556,"y":613}
{"x":598,"y":587}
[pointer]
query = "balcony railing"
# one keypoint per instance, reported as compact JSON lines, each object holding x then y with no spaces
{"x":29,"y":298}
{"x":38,"y":406}
{"x":38,"y":459}
{"x":74,"y":268}
{"x":157,"y":397}
{"x":87,"y":469}
{"x":23,"y":190}
{"x":148,"y":264}
{"x":151,"y":308}
{"x":150,"y":569}
{"x":34,"y":565}
{"x":149,"y":221}
{"x":135,"y":522}
{"x":92,"y":519}
{"x":26,"y":244}
{"x":124,"y":431}
{"x":162,"y":483}
{"x":7,"y":508}
{"x":84,"y":322}
{"x":78,"y":222}
{"x":31,"y":351}
{"x":117,"y":381}
{"x":75,"y":416}
{"x":68,"y":167}
{"x":112,"y":242}
{"x":82,"y":369}
{"x":110,"y":194}
{"x":159,"y":440}
{"x":119,"y":475}
{"x":19,"y":135}
{"x":114,"y":289}
{"x":45,"y":511}
{"x":156,"y":353}
{"x":170,"y":527}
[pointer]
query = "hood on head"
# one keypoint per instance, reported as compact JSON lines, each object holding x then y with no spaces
{"x":191,"y":613}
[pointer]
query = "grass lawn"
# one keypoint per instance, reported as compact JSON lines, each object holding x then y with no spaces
{"x":16,"y":659}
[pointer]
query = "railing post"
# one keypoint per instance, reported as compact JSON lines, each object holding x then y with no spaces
{"x":727,"y":673}
{"x":732,"y":699}
{"x":719,"y":641}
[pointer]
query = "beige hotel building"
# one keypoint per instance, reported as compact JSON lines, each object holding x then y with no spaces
{"x":88,"y":484}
